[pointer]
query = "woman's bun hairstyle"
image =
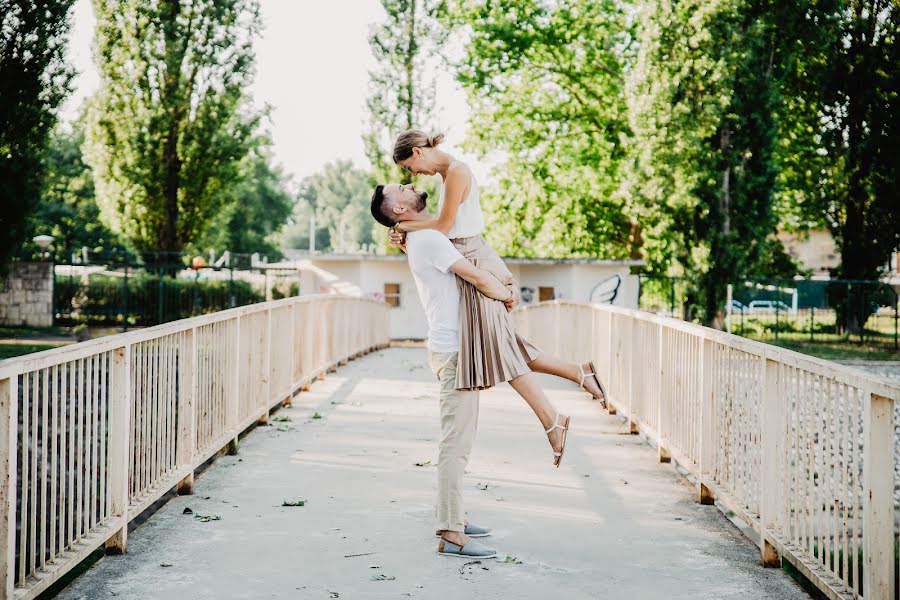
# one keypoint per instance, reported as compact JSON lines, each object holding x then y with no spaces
{"x":413,"y":138}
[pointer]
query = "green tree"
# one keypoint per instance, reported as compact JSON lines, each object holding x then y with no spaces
{"x":67,"y":208}
{"x":704,"y":98}
{"x":401,"y":91}
{"x":338,"y":198}
{"x":545,"y":83}
{"x":259,"y":206}
{"x":844,"y":169}
{"x":35,"y":80}
{"x":170,"y":125}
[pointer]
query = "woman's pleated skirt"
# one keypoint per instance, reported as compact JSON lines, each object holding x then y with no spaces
{"x":490,"y":350}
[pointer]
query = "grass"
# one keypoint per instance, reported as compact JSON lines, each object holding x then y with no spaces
{"x":12,"y":350}
{"x":32,"y":332}
{"x":835,"y":350}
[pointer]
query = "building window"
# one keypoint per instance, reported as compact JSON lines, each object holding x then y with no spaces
{"x":545,"y":293}
{"x":392,"y":294}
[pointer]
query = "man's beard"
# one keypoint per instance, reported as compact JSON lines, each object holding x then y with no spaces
{"x":420,"y":201}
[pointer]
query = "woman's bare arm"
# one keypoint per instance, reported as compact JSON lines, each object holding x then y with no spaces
{"x":458,"y":181}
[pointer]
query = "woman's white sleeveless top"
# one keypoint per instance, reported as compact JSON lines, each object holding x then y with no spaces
{"x":469,"y":220}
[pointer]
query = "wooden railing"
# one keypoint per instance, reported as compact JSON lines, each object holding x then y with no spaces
{"x":801,"y":449}
{"x":96,"y":432}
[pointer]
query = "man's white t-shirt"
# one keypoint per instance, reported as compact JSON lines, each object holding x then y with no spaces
{"x":430,"y":256}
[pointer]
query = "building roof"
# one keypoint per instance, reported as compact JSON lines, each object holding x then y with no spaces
{"x":513,"y":260}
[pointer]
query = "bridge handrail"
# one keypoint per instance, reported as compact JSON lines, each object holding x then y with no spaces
{"x":799,"y":448}
{"x":96,"y":432}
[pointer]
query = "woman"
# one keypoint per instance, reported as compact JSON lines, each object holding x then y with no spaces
{"x":491,"y":352}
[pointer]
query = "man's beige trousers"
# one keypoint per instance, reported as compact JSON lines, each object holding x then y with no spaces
{"x":459,"y":419}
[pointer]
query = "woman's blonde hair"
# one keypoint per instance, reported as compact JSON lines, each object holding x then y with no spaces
{"x":413,"y":138}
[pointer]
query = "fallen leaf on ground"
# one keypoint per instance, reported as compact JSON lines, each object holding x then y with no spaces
{"x":333,"y":595}
{"x":165,"y":564}
{"x":426,"y":463}
{"x":317,"y":416}
{"x":187,"y":511}
{"x":294,"y":503}
{"x":382,"y":577}
{"x":205,"y":518}
{"x":511,"y":559}
{"x":281,"y":419}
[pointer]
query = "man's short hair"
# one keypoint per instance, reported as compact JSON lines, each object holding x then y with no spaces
{"x":380,"y":208}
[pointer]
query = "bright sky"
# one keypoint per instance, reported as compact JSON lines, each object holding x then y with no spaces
{"x":312,"y":69}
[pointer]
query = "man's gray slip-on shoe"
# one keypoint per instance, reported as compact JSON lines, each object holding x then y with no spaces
{"x":473,"y":531}
{"x":476,"y":531}
{"x":471,"y":550}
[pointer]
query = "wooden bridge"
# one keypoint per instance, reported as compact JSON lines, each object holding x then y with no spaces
{"x":798,"y":451}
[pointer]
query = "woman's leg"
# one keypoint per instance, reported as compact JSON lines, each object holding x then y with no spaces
{"x":551,"y":365}
{"x":527,"y":387}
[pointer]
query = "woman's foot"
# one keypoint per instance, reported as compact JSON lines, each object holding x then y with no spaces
{"x":556,"y":434}
{"x":590,"y":381}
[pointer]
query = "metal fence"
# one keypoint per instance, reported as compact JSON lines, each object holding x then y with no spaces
{"x":818,"y":311}
{"x":837,"y":311}
{"x":801,"y":449}
{"x":124,"y":290}
{"x":96,"y":432}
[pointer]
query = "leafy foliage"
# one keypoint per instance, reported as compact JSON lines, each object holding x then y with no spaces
{"x":67,"y":208}
{"x":259,"y":205}
{"x":841,"y":139}
{"x":845,"y":130}
{"x":35,"y":79}
{"x":704,"y":98}
{"x":337,"y":196}
{"x":170,"y":126}
{"x":401,"y":93}
{"x":545,"y":83}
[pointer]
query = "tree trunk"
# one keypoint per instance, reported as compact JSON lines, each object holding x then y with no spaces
{"x":168,"y":241}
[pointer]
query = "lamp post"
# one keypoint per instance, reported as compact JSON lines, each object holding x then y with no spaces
{"x":43,"y":242}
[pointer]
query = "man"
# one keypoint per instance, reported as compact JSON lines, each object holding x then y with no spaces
{"x":435,"y":263}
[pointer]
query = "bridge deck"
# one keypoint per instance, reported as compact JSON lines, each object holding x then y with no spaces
{"x":611,"y":523}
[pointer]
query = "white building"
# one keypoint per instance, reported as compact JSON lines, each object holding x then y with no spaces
{"x":389,"y":278}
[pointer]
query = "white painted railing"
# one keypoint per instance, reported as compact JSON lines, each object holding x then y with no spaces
{"x":96,"y":432}
{"x":801,"y":449}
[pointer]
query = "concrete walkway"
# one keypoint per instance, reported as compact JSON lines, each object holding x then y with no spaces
{"x":611,"y":523}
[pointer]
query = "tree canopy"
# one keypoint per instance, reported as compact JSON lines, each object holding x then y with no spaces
{"x":337,"y":198}
{"x":36,"y":79}
{"x":170,"y":125}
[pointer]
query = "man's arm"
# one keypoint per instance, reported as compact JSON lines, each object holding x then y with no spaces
{"x":483,"y":280}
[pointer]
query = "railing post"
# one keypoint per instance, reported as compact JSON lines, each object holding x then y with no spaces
{"x":771,"y":442}
{"x":708,"y":425}
{"x":187,"y":417}
{"x":234,"y":398}
{"x":289,"y":398}
{"x":267,"y":369}
{"x":9,"y":424}
{"x":119,"y":447}
{"x":630,"y":373}
{"x":661,"y":426}
{"x":608,"y":345}
{"x":878,"y":501}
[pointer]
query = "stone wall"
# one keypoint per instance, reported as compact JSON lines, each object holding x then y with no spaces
{"x":26,"y":295}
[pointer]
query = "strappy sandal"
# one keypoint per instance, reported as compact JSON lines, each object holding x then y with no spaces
{"x":562,"y":448}
{"x":593,"y":374}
